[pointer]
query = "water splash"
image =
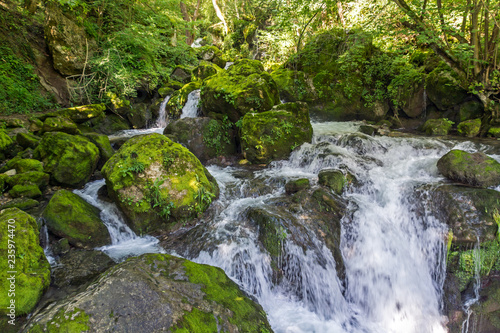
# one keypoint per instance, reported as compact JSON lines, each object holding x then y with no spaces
{"x":44,"y":242}
{"x":161,"y":122}
{"x":190,"y":110}
{"x":475,"y":297}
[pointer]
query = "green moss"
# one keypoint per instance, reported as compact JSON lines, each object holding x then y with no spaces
{"x":172,"y":178}
{"x":439,"y":126}
{"x":80,"y":114}
{"x":494,"y":132}
{"x":69,"y":216}
{"x":60,"y":124}
{"x":70,"y":160}
{"x":197,"y":321}
{"x":292,"y":85}
{"x":33,"y":270}
{"x":103,"y":144}
{"x":25,"y":165}
{"x":40,"y":179}
{"x":28,"y":191}
{"x":180,"y":97}
{"x":220,"y":289}
{"x":469,"y":128}
{"x":334,"y":179}
{"x":21,"y":203}
{"x":297,"y":185}
{"x":204,"y":70}
{"x":5,"y":141}
{"x":27,"y":140}
{"x":443,"y":88}
{"x":75,"y":321}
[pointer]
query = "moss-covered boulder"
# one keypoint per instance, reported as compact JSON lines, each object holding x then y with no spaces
{"x":443,"y":89}
{"x":292,"y":85}
{"x":272,"y":135}
{"x":169,"y":88}
{"x":211,"y":53}
{"x":494,"y":132}
{"x":153,"y":293}
{"x":60,"y":124}
{"x":293,"y":186}
{"x":69,"y":216}
{"x":38,"y":178}
{"x":439,"y":126}
{"x":28,"y":164}
{"x":206,"y":138}
{"x":487,"y":312}
{"x":25,"y":191}
{"x":334,"y":179}
{"x":32,"y":269}
{"x":204,"y":70}
{"x":182,"y":74}
{"x":179,"y":98}
{"x":475,"y":169}
{"x":21,"y":203}
{"x":69,"y":159}
{"x":469,"y":128}
{"x":244,"y":87}
{"x":470,"y":110}
{"x":138,"y":115}
{"x":27,"y":140}
{"x":5,"y":142}
{"x":156,"y":181}
{"x":102,"y":143}
{"x":111,"y":124}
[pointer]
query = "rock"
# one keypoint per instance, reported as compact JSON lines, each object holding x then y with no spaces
{"x":5,"y":142}
{"x":486,"y":313}
{"x":35,"y":125}
{"x":475,"y":169}
{"x":11,"y":172}
{"x":37,"y":178}
{"x":206,"y":138}
{"x":13,"y":123}
{"x":334,"y":179}
{"x":27,"y":191}
{"x":272,"y":135}
{"x":470,"y":110}
{"x":60,"y":124}
{"x":33,"y":270}
{"x":469,"y":128}
{"x":138,"y":115}
{"x":292,"y":85}
{"x":437,"y":126}
{"x":156,"y":181}
{"x":494,"y":132}
{"x":179,"y":99}
{"x":293,"y":186}
{"x":102,"y":143}
{"x":466,"y":210}
{"x":413,"y":102}
{"x":66,"y":40}
{"x":69,"y":216}
{"x":443,"y":89}
{"x":368,"y":129}
{"x":111,"y":124}
{"x":27,"y":140}
{"x":244,"y":87}
{"x":78,"y":267}
{"x":21,"y":203}
{"x":182,"y":74}
{"x":204,"y":70}
{"x":28,"y":164}
{"x":169,"y":88}
{"x":153,"y":293}
{"x":69,"y":159}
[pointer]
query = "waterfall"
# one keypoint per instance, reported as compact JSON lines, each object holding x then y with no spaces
{"x":161,"y":122}
{"x":475,"y":297}
{"x":124,"y":242}
{"x":44,"y":242}
{"x":228,"y":64}
{"x":190,"y":110}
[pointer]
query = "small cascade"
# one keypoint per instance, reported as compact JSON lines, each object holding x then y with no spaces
{"x":466,"y":324}
{"x":161,"y":122}
{"x":190,"y":110}
{"x":124,"y":242}
{"x":44,"y":242}
{"x":228,"y":64}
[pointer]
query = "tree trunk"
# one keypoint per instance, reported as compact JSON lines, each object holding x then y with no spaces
{"x":475,"y":36}
{"x":185,"y":16}
{"x":220,"y":16}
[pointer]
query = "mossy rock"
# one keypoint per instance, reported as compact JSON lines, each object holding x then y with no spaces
{"x":272,"y":135}
{"x":292,"y":85}
{"x":156,"y":181}
{"x":5,"y":141}
{"x":179,"y":99}
{"x":69,"y":216}
{"x":333,"y":179}
{"x":487,"y":312}
{"x":28,"y":164}
{"x":206,"y":138}
{"x":40,"y":179}
{"x":138,"y":115}
{"x":293,"y":186}
{"x":470,"y":110}
{"x":242,"y":88}
{"x":60,"y":124}
{"x":443,"y":89}
{"x":80,"y":114}
{"x":494,"y":132}
{"x":469,"y":128}
{"x":69,"y":159}
{"x":102,"y":143}
{"x":111,"y":124}
{"x":475,"y":169}
{"x":182,"y":74}
{"x":25,"y":191}
{"x":439,"y":126}
{"x":27,"y":140}
{"x":204,"y":70}
{"x":169,"y":88}
{"x":208,"y":53}
{"x":33,"y":270}
{"x":153,"y":293}
{"x":35,"y":125}
{"x":13,"y":123}
{"x":3,"y":182}
{"x":21,"y":203}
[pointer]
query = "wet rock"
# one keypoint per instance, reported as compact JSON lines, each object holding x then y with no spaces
{"x":475,"y":169}
{"x":33,"y":270}
{"x":437,"y":126}
{"x":69,"y":159}
{"x":138,"y":115}
{"x":37,"y":178}
{"x":486,"y":313}
{"x":5,"y":143}
{"x":181,"y":74}
{"x":293,"y":186}
{"x":111,"y":124}
{"x":272,"y":135}
{"x":152,"y":293}
{"x":69,"y":216}
{"x":469,"y":128}
{"x":28,"y":164}
{"x":79,"y":267}
{"x":25,"y":191}
{"x":156,"y":182}
{"x":333,"y":179}
{"x":470,"y":110}
{"x":102,"y":143}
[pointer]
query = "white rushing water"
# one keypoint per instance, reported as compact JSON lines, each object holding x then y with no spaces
{"x":124,"y":242}
{"x":190,"y":110}
{"x":394,"y":258}
{"x":161,"y":122}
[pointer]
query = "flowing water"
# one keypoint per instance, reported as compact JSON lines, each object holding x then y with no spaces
{"x":161,"y":122}
{"x":190,"y":110}
{"x":394,"y":256}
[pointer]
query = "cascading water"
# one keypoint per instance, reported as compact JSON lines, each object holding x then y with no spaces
{"x":124,"y":242}
{"x":190,"y":110}
{"x":161,"y":122}
{"x":44,"y":242}
{"x":466,"y":325}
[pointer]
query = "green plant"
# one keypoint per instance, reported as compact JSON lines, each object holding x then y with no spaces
{"x":496,"y":217}
{"x":202,"y":196}
{"x":136,"y":167}
{"x":216,"y":134}
{"x":157,"y":201}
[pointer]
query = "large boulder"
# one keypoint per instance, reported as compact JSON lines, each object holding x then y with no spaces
{"x":60,"y":124}
{"x":439,"y":126}
{"x":153,"y":293}
{"x":69,"y":216}
{"x":69,"y":159}
{"x":443,"y":89}
{"x":273,"y":134}
{"x":292,"y":85}
{"x":204,"y":70}
{"x":21,"y":253}
{"x":155,"y":181}
{"x":475,"y":169}
{"x":206,"y":138}
{"x":470,"y":128}
{"x":5,"y":143}
{"x":78,"y":114}
{"x":244,"y":87}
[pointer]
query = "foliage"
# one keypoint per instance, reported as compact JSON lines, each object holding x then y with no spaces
{"x":162,"y":206}
{"x":217,"y":134}
{"x":135,"y":167}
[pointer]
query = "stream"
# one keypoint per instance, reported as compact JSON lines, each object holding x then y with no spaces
{"x":394,"y":257}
